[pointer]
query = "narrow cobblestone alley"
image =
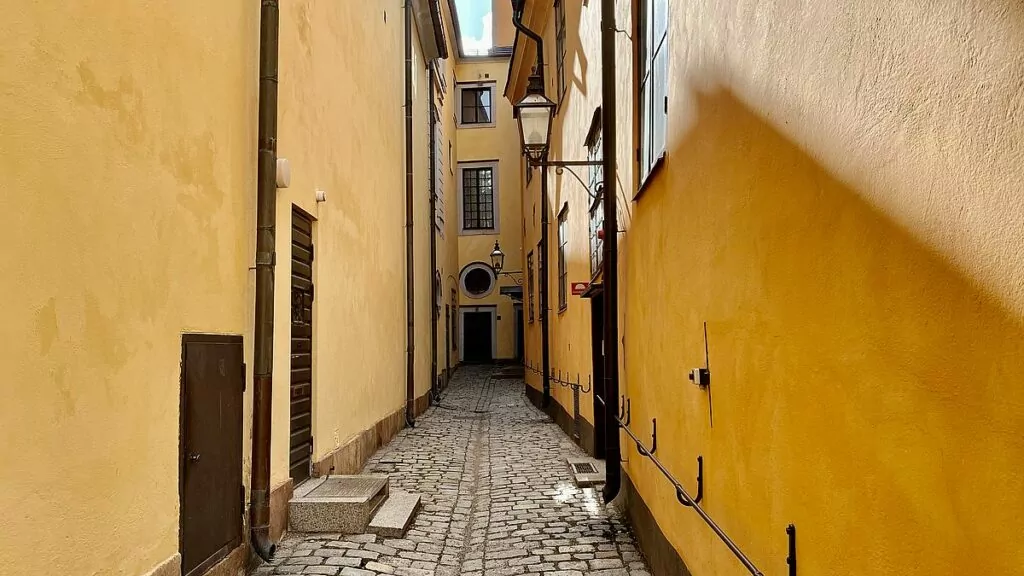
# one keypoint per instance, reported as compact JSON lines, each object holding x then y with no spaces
{"x":497,"y":499}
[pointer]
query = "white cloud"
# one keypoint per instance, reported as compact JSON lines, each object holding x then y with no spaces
{"x":483,"y":44}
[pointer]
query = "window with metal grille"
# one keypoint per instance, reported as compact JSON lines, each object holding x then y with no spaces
{"x":653,"y":72}
{"x":594,"y":154}
{"x":563,"y":272}
{"x":477,"y":198}
{"x":529,"y":282}
{"x":560,"y":46}
{"x":476,"y":105}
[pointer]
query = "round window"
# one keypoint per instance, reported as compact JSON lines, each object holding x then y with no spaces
{"x":477,"y":280}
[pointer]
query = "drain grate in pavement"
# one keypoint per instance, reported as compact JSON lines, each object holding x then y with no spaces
{"x":583,"y":468}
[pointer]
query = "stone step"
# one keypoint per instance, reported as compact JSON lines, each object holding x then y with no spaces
{"x":396,"y":515}
{"x":339,"y":504}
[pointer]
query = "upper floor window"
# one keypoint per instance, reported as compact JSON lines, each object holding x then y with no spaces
{"x":563,"y":269}
{"x":594,"y":154}
{"x":478,"y":190}
{"x":476,"y":105}
{"x":653,"y":95}
{"x":560,"y":46}
{"x":529,"y":282}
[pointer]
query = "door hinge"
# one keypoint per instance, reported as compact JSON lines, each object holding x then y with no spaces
{"x":312,"y":252}
{"x":243,"y":376}
{"x":666,"y":104}
{"x":312,"y":292}
{"x":241,"y":497}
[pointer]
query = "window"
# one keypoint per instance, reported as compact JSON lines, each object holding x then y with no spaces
{"x":477,"y":280}
{"x":594,"y":153}
{"x":529,"y":284}
{"x":541,"y":271}
{"x":476,"y":105}
{"x":478,"y":190}
{"x":563,"y":272}
{"x":560,"y":46}
{"x":653,"y":96}
{"x":438,"y":170}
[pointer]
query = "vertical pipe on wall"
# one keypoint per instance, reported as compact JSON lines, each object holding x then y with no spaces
{"x":410,"y":283}
{"x":435,"y":295}
{"x":611,"y":245}
{"x":542,"y":261}
{"x":542,"y":258}
{"x":263,"y":349}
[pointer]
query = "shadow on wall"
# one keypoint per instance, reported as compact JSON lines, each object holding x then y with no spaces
{"x":864,"y":388}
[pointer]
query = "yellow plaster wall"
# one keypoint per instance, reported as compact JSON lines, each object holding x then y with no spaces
{"x":128,"y":180}
{"x":841,"y":203}
{"x":501,"y":143}
{"x":342,"y":126}
{"x":448,"y":244}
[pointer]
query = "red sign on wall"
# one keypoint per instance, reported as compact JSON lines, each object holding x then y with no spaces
{"x":578,"y":288}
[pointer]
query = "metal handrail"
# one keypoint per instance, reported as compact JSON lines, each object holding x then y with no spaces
{"x":564,"y":383}
{"x":685,"y":499}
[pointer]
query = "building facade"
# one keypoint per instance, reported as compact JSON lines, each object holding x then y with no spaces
{"x":131,"y":212}
{"x":818,"y":205}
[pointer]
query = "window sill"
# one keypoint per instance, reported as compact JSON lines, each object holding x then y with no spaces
{"x":481,"y":232}
{"x":473,"y":126}
{"x":646,"y":182}
{"x":562,"y":309}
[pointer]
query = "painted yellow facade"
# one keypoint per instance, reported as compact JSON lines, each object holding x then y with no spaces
{"x":130,"y":187}
{"x":839,"y":202}
{"x":498,"y":144}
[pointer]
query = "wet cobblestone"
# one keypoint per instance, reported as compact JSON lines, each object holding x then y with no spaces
{"x":498,"y":499}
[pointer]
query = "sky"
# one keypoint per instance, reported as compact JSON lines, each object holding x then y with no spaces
{"x":475,"y":25}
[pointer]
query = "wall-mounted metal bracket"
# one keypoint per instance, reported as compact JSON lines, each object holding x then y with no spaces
{"x":791,"y":559}
{"x":625,"y":410}
{"x":700,"y":486}
{"x":654,"y":440}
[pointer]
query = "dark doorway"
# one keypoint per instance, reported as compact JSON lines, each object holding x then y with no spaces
{"x":477,"y":339}
{"x":597,"y":350}
{"x":447,"y":343}
{"x":210,"y":477}
{"x":520,"y":334}
{"x":301,"y":443}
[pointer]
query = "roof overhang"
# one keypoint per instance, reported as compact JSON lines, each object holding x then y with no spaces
{"x":427,"y":14}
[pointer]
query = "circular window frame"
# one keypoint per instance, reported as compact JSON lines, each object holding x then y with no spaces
{"x":477,"y":266}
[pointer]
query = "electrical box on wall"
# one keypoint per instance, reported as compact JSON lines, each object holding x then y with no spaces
{"x":701,"y":377}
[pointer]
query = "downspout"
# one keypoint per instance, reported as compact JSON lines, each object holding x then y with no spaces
{"x":542,"y":259}
{"x":611,"y":248}
{"x":434,"y":288}
{"x":410,"y":284}
{"x":263,"y":349}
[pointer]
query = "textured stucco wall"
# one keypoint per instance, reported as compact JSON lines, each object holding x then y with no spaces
{"x":500,"y":143}
{"x":126,"y":209}
{"x":841,"y":204}
{"x":342,"y":126}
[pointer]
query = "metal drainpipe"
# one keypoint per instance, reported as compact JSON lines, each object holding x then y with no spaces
{"x":410,"y":283}
{"x":434,"y":295}
{"x":611,"y":248}
{"x":544,"y":284}
{"x":263,"y":349}
{"x":542,"y":259}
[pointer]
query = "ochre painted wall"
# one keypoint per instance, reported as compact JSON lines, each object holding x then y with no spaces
{"x":840,"y":203}
{"x":342,"y":126}
{"x":126,"y":212}
{"x":499,"y":143}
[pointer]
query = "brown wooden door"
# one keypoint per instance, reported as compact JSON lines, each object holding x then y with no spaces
{"x":211,"y":492}
{"x":301,"y":446}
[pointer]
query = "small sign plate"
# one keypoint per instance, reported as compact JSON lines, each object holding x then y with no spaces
{"x":578,"y":288}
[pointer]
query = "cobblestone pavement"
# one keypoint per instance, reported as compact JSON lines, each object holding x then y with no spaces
{"x":498,"y":499}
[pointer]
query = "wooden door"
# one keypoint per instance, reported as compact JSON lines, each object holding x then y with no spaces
{"x":477,"y":337}
{"x":211,"y":492}
{"x":301,"y":441}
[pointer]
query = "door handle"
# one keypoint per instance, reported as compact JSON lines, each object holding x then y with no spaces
{"x":193,"y":458}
